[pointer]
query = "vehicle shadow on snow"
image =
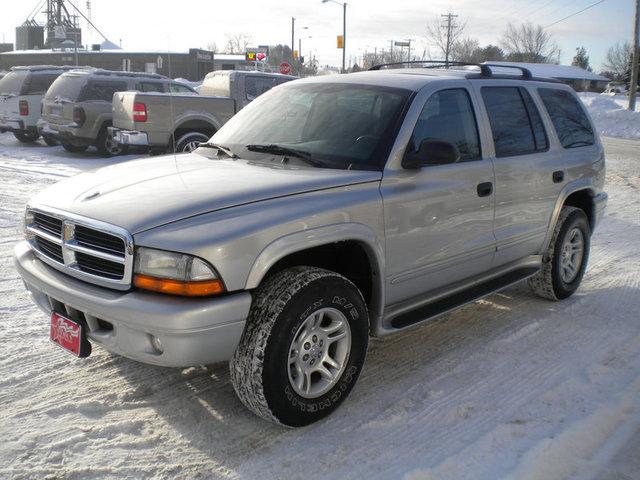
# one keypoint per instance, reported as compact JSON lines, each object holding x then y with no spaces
{"x":200,"y":404}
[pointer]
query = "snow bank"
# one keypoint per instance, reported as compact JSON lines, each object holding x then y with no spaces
{"x":611,"y":116}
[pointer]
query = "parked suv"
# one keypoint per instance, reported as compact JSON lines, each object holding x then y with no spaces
{"x":182,"y":122}
{"x":21,"y":92}
{"x":76,"y":109}
{"x":328,"y":210}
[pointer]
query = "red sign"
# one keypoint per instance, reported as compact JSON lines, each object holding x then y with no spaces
{"x":285,"y":68}
{"x":261,"y":56}
{"x":66,"y":333}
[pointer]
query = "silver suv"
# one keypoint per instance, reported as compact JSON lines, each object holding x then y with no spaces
{"x":76,"y":110}
{"x":328,"y":210}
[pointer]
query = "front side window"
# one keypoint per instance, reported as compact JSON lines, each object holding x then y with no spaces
{"x":345,"y":126}
{"x":177,"y":88}
{"x":515,"y":121}
{"x":448,"y":115}
{"x":101,"y":90}
{"x":256,"y":86}
{"x":151,"y":87}
{"x":568,"y":118}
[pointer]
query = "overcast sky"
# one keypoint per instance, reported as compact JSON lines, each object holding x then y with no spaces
{"x":178,"y":25}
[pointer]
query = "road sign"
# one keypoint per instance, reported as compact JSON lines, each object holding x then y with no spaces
{"x":285,"y":68}
{"x":402,"y":44}
{"x":340,"y":41}
{"x":261,"y":56}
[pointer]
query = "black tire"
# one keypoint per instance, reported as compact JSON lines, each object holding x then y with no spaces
{"x":50,"y":141}
{"x":188,"y":142}
{"x":74,"y":148}
{"x":26,"y":137}
{"x":260,"y":370}
{"x":549,"y":282}
{"x":107,"y":146}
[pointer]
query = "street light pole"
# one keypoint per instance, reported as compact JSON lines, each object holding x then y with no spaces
{"x":293,"y":45}
{"x":344,"y":31}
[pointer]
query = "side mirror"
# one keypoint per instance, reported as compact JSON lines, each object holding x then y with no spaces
{"x":431,"y":152}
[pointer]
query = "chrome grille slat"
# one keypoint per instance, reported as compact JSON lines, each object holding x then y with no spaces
{"x":83,"y":248}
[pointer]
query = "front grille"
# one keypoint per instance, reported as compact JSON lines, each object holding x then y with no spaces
{"x":99,"y":266}
{"x":93,"y":251}
{"x":98,"y":240}
{"x":51,"y":249}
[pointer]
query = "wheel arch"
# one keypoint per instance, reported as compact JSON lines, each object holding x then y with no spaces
{"x":196,"y":123}
{"x":352,"y":250}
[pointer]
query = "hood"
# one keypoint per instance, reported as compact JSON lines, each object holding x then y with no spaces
{"x":142,"y":194}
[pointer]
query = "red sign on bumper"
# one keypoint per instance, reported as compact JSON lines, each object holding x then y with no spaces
{"x":69,"y":335}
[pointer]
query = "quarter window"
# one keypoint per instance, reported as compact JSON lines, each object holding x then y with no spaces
{"x":448,"y":115}
{"x":515,"y":121}
{"x":568,"y":118}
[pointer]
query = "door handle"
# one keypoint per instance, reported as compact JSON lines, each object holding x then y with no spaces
{"x":485,"y":189}
{"x":558,"y":176}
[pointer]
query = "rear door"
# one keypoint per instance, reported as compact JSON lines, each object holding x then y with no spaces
{"x":527,"y":183}
{"x":439,"y":218}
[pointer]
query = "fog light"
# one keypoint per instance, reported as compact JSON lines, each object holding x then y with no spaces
{"x":156,"y":344}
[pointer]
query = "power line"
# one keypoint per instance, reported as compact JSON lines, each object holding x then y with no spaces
{"x":574,"y":14}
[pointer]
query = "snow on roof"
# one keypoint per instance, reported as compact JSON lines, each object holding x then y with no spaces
{"x":549,"y":70}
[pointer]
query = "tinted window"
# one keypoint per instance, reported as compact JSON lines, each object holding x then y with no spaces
{"x":177,"y":88}
{"x":516,"y":129}
{"x":39,"y":83}
{"x":568,"y":117}
{"x":12,"y":82}
{"x":67,"y":87}
{"x":256,"y":86}
{"x":448,"y":115}
{"x":345,"y":125}
{"x":101,"y":90}
{"x":151,"y":87}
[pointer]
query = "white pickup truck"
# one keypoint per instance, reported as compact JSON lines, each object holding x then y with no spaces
{"x":21,"y":93}
{"x":179,"y":121}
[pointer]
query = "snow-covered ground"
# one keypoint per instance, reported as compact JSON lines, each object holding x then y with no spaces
{"x":510,"y":387}
{"x":611,"y":116}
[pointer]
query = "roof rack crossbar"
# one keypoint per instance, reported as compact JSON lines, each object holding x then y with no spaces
{"x":484,"y":69}
{"x":526,"y":73}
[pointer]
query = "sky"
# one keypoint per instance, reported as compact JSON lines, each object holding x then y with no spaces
{"x":183,"y":24}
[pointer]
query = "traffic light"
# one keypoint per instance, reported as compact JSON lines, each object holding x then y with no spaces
{"x":340,"y":41}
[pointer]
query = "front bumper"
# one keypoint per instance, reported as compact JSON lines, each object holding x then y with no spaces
{"x":129,"y":137}
{"x":191,"y":331}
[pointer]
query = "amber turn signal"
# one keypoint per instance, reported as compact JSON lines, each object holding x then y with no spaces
{"x":176,"y":287}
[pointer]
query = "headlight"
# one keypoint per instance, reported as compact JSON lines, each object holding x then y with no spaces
{"x":175,"y":273}
{"x":28,"y":220}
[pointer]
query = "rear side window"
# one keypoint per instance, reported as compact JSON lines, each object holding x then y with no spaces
{"x":38,"y":84}
{"x":101,"y":90}
{"x":515,"y":121}
{"x":152,"y":87}
{"x":256,"y":86}
{"x":448,"y":115}
{"x":568,"y":118}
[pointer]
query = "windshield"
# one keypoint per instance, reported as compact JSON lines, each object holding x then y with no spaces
{"x":12,"y":83}
{"x":66,"y":87}
{"x":339,"y":125}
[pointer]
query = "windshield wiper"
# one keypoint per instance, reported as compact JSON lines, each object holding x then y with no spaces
{"x":220,"y":148}
{"x":287,"y":152}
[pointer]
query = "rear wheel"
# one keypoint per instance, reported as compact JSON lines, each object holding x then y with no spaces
{"x":26,"y":137}
{"x":107,"y":146}
{"x":190,"y":141}
{"x":303,"y":346}
{"x":565,"y":261}
{"x":74,"y":148}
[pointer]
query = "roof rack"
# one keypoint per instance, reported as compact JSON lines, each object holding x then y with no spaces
{"x":118,"y":73}
{"x":37,"y":68}
{"x":485,"y":68}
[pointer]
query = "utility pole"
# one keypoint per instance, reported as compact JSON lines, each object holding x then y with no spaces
{"x":344,"y":34}
{"x":293,"y":44}
{"x":634,"y":64}
{"x":450,"y":16}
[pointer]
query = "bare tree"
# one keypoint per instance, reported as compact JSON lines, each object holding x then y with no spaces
{"x":441,"y":37}
{"x":617,"y":60}
{"x":237,"y":43}
{"x":212,"y":46}
{"x":529,"y":43}
{"x":465,"y":50}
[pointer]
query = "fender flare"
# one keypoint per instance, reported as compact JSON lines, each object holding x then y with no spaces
{"x":190,"y":116}
{"x":570,"y":188}
{"x":315,"y":237}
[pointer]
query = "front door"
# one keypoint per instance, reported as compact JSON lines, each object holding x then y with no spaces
{"x":439,"y":218}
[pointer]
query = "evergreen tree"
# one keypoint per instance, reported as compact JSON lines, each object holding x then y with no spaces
{"x":581,"y":59}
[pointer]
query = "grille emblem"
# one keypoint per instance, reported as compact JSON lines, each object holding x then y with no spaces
{"x":68,"y":233}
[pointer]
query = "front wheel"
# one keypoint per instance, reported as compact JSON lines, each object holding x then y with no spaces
{"x":303,"y":347}
{"x":26,"y":137}
{"x":565,"y":261}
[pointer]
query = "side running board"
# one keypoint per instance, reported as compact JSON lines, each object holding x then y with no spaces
{"x":456,"y":300}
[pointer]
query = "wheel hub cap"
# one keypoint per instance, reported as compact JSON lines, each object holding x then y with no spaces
{"x":572,"y":255}
{"x":319,"y":352}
